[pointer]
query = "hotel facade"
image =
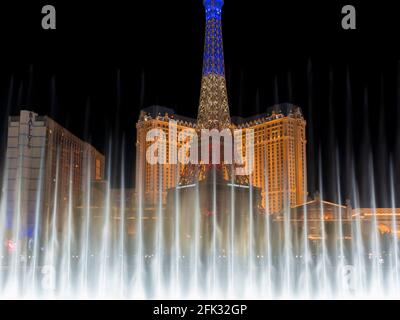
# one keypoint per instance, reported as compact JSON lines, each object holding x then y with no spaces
{"x":48,"y":169}
{"x":279,"y":165}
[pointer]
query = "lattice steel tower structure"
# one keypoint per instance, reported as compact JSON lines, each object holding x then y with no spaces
{"x":213,"y":107}
{"x":279,"y":166}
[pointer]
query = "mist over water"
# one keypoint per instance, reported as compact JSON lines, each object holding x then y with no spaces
{"x":110,"y":252}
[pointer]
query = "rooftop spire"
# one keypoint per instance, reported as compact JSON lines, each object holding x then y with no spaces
{"x":213,"y":108}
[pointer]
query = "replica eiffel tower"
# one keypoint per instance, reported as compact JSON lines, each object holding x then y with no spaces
{"x":213,"y":111}
{"x":210,"y":201}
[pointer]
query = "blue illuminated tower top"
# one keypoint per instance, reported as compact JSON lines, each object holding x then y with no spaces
{"x":213,"y":8}
{"x":213,"y":50}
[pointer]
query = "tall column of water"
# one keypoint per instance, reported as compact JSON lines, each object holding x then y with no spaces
{"x":376,"y":253}
{"x":67,"y":280}
{"x":3,"y":230}
{"x":177,"y":246}
{"x":287,"y":262}
{"x":267,"y":265}
{"x":394,"y":249}
{"x":252,"y":284}
{"x":122,"y":231}
{"x":52,"y":250}
{"x":105,"y":226}
{"x":83,"y":259}
{"x":306,"y":256}
{"x":138,"y":289}
{"x":4,"y":196}
{"x":213,"y":279}
{"x":195,"y":267}
{"x":357,"y":246}
{"x":231,"y":248}
{"x":323,"y":285}
{"x":340,"y":254}
{"x":13,"y":274}
{"x":38,"y":228}
{"x":159,"y":240}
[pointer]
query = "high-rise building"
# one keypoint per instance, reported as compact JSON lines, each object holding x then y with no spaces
{"x":279,"y":166}
{"x":155,"y":179}
{"x":279,"y":156}
{"x":48,"y":168}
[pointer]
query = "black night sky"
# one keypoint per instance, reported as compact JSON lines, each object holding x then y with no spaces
{"x":107,"y":60}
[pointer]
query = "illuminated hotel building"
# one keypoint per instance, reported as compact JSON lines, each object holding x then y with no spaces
{"x":279,"y":156}
{"x":157,"y":179}
{"x":279,"y":146}
{"x":39,"y":153}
